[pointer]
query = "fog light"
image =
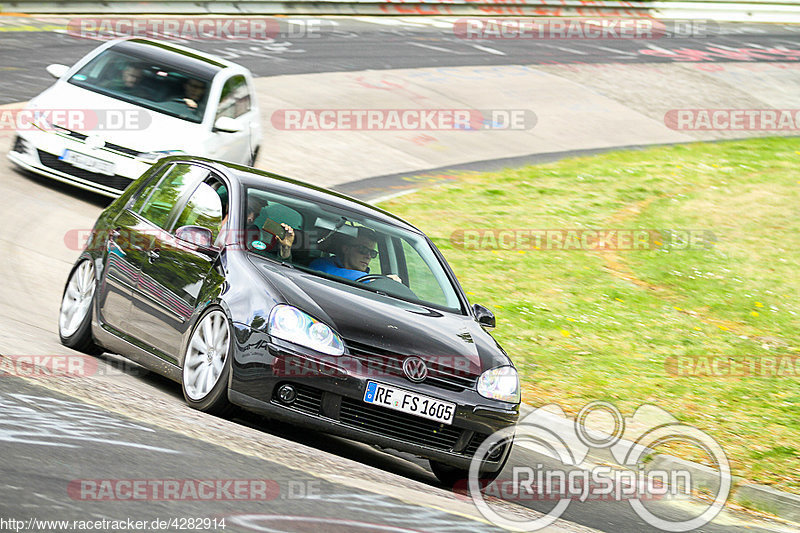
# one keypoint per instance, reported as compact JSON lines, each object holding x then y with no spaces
{"x":287,"y":394}
{"x":20,"y":145}
{"x":495,"y":453}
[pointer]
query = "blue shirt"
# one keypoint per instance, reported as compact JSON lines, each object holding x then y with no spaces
{"x":332,"y":265}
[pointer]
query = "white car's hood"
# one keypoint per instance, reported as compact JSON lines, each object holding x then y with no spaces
{"x":148,"y":131}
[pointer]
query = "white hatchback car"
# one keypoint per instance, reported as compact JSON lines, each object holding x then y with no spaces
{"x":130,"y":102}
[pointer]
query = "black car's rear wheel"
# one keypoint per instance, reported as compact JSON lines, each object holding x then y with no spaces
{"x":75,"y":314}
{"x":207,"y":364}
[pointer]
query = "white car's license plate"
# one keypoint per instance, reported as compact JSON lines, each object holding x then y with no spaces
{"x":409,"y":402}
{"x":87,"y":162}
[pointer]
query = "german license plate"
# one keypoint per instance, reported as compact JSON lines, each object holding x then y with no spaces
{"x":87,"y":162}
{"x":409,"y":402}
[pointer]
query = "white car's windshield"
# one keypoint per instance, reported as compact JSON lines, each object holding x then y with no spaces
{"x":155,"y":85}
{"x":346,"y":246}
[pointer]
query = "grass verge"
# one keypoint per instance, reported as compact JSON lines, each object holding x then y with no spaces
{"x":625,"y":325}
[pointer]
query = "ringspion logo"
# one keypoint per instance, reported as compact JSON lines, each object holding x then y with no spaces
{"x":631,"y":443}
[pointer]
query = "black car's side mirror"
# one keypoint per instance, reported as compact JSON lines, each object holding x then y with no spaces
{"x":197,"y":235}
{"x":483,"y":316}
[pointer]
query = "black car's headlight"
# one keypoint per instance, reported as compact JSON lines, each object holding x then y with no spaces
{"x":293,"y":325}
{"x":501,"y":383}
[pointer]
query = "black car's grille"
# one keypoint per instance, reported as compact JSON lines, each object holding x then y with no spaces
{"x":397,"y":425}
{"x":390,"y":363}
{"x":476,"y":440}
{"x":51,"y":161}
{"x":308,"y":399}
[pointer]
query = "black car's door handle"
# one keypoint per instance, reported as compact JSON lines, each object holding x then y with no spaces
{"x":153,"y":255}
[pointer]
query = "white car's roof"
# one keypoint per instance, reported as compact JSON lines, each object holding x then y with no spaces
{"x":181,"y":56}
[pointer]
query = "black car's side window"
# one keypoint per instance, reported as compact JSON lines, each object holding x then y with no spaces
{"x":180,"y":179}
{"x":139,"y":198}
{"x":204,"y":209}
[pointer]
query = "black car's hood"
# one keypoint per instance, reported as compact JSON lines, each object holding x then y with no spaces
{"x":387,"y":324}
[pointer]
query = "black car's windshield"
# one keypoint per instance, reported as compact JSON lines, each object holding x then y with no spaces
{"x":345,"y":246}
{"x":152,"y":84}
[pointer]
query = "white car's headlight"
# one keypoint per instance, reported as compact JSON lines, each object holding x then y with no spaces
{"x":153,"y":156}
{"x":293,"y":325}
{"x":501,"y":383}
{"x":39,"y":120}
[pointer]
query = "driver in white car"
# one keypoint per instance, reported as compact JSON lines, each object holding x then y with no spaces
{"x":130,"y":81}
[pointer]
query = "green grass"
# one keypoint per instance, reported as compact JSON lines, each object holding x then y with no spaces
{"x":579,"y":331}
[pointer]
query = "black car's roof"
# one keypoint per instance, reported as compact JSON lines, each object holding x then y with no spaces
{"x":159,"y":52}
{"x":252,"y":177}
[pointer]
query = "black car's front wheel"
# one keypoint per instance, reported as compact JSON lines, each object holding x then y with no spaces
{"x":75,"y":314}
{"x":207,"y":364}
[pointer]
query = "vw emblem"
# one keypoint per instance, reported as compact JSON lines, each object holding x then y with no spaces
{"x":415,"y":369}
{"x":95,"y":141}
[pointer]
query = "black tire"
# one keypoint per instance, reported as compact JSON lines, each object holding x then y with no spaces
{"x":451,"y":476}
{"x":79,"y":339}
{"x":213,"y":401}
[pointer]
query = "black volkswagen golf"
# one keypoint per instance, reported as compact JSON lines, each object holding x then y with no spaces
{"x":295,"y":302}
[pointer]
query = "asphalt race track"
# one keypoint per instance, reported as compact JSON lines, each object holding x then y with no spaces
{"x":62,"y":436}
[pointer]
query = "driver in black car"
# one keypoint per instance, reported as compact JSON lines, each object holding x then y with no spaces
{"x":353,"y":261}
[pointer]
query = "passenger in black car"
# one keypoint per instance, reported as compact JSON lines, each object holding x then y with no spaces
{"x":282,"y":244}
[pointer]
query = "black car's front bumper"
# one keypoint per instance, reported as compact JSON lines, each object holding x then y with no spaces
{"x":331,"y":400}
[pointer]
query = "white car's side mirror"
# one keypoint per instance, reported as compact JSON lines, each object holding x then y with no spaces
{"x":227,"y":124}
{"x":56,"y":70}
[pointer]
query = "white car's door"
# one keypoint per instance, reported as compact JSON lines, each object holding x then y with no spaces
{"x":235,"y":103}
